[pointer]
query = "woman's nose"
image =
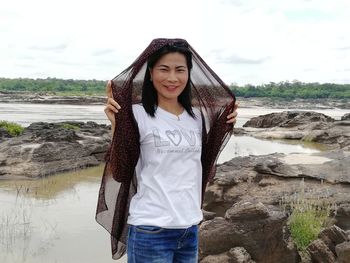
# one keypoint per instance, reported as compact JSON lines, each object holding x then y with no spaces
{"x":172,"y":76}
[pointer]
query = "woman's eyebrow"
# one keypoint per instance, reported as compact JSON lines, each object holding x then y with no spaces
{"x":166,"y":66}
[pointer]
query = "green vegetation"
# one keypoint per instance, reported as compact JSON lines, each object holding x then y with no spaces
{"x":286,"y":90}
{"x":70,"y":126}
{"x":293,"y":90}
{"x":54,"y":86}
{"x":306,"y":222}
{"x":309,"y":214}
{"x":12,"y":128}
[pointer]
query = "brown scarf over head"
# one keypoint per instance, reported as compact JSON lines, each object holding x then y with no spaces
{"x":209,"y":94}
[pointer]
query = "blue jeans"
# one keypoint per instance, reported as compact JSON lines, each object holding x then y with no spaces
{"x":152,"y":244}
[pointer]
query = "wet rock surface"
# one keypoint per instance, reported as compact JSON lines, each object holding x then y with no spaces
{"x":299,"y":125}
{"x":49,"y":148}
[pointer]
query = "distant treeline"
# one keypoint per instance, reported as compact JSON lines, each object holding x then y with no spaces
{"x":295,"y":89}
{"x":286,"y":90}
{"x":54,"y":86}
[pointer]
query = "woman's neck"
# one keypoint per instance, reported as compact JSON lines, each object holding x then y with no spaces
{"x":173,"y":107}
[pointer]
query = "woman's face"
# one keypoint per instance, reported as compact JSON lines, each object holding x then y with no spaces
{"x":169,"y":76}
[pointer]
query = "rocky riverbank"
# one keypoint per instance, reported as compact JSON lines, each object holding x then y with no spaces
{"x":298,"y":125}
{"x":305,"y":104}
{"x":49,"y":148}
{"x":248,"y":204}
{"x":302,"y":104}
{"x":27,"y":97}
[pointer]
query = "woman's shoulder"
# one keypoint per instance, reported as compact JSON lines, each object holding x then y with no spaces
{"x":138,"y":111}
{"x":137,"y":108}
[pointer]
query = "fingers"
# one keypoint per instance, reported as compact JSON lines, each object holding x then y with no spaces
{"x":235,"y":107}
{"x":111,"y":101}
{"x":233,"y":121}
{"x":109,"y":89}
{"x":112,"y":105}
{"x":232,"y":116}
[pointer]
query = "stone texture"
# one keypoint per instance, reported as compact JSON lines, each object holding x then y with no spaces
{"x":346,"y":117}
{"x":343,"y":252}
{"x":305,"y":126}
{"x":240,"y":255}
{"x":343,"y":216}
{"x":220,"y":258}
{"x":49,"y":148}
{"x":260,"y":233}
{"x":333,"y":236}
{"x":287,"y":119}
{"x":320,"y":253}
{"x":249,"y":211}
{"x":243,"y":211}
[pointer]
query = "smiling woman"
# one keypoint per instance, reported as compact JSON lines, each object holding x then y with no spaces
{"x":164,"y":148}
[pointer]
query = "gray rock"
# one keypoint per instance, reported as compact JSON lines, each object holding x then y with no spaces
{"x":320,"y":252}
{"x":287,"y":119}
{"x":305,"y":126}
{"x":345,"y":117}
{"x":247,"y":211}
{"x":343,"y":216}
{"x":264,"y":186}
{"x":262,"y":235}
{"x":49,"y":148}
{"x":332,"y":236}
{"x":220,"y":258}
{"x":240,"y":255}
{"x":343,"y":252}
{"x":234,"y":255}
{"x":207,"y":215}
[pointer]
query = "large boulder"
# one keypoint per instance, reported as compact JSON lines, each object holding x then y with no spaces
{"x":320,"y":253}
{"x":346,"y":117}
{"x":343,"y":252}
{"x":48,"y":148}
{"x":333,"y":236}
{"x":287,"y":119}
{"x":304,"y":126}
{"x":253,"y":226}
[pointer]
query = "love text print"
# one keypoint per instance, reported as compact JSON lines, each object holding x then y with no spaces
{"x":174,"y":138}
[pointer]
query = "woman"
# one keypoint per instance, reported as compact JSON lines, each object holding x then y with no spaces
{"x":171,"y":116}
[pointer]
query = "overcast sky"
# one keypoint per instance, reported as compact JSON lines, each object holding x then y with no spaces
{"x":244,"y":41}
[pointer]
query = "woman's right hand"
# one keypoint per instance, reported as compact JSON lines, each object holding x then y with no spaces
{"x":111,"y":105}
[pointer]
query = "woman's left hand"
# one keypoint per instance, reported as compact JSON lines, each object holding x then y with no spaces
{"x":232,"y":116}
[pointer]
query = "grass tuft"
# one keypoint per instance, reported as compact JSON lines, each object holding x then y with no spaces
{"x":12,"y":128}
{"x":308,"y":216}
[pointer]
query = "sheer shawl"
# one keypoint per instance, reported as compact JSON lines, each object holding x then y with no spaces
{"x":209,"y":94}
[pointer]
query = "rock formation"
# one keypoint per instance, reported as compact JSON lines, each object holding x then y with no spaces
{"x":244,"y":205}
{"x":48,"y":148}
{"x":300,"y":125}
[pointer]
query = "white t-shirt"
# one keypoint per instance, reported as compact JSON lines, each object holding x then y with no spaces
{"x":169,"y":170}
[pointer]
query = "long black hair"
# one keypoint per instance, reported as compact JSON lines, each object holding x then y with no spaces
{"x":149,"y":93}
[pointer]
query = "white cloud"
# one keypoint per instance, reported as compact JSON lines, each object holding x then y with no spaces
{"x":247,"y":41}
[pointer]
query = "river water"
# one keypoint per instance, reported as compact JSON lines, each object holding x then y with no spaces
{"x":52,"y":219}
